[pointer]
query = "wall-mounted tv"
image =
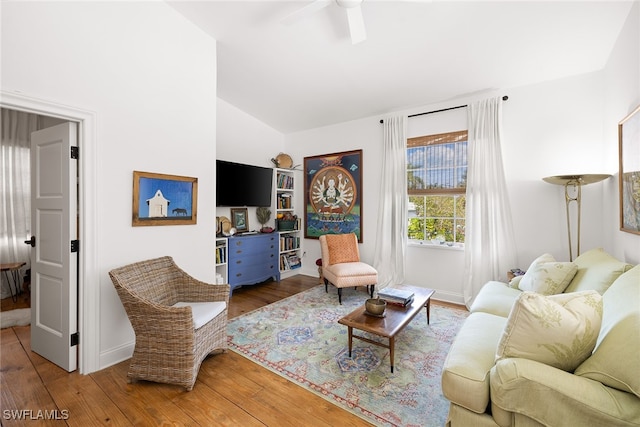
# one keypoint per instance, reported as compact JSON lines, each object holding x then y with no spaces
{"x":238,"y":184}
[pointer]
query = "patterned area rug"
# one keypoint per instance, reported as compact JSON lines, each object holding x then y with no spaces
{"x":300,"y":338}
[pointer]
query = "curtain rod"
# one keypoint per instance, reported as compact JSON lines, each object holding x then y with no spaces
{"x":504,"y":98}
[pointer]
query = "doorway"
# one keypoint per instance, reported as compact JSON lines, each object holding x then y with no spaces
{"x":40,"y":199}
{"x":88,"y":295}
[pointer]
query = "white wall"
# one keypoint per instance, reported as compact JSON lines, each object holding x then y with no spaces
{"x":242,"y":138}
{"x":621,"y":96}
{"x":149,"y":76}
{"x":558,"y":127}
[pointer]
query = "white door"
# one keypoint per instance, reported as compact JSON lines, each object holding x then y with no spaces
{"x":53,"y":264}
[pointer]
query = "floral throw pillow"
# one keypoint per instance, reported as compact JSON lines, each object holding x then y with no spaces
{"x":547,"y":276}
{"x":557,"y":330}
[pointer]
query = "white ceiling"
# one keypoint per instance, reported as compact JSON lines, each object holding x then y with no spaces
{"x":308,"y":74}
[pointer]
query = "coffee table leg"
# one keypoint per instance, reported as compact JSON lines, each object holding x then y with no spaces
{"x":392,"y":344}
{"x":428,"y":309}
{"x":350,"y":338}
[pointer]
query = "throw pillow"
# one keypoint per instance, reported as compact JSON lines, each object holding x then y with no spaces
{"x":597,"y":270}
{"x":615,"y":362}
{"x":515,"y":282}
{"x":546,"y":276}
{"x":558,"y":330}
{"x":342,"y":248}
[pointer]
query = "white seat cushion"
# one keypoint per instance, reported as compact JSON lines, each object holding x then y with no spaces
{"x":203,"y":312}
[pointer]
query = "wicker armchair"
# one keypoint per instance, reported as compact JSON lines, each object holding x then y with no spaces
{"x":177,"y":319}
{"x":341,"y":265}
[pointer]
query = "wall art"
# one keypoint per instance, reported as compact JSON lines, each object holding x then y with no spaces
{"x":160,"y":199}
{"x":333,"y":194}
{"x":240,"y":219}
{"x":629,"y":179}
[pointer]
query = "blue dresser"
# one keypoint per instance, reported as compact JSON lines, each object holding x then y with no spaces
{"x":253,"y":259}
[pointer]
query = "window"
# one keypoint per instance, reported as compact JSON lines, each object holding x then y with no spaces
{"x":436,"y":184}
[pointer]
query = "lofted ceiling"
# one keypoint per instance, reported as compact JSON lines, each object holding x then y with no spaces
{"x":307,"y":73}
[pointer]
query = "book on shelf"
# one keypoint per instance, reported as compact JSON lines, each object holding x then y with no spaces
{"x":396,"y":295}
{"x":285,"y":182}
{"x":284,"y":201}
{"x":290,"y":262}
{"x":221,"y":255}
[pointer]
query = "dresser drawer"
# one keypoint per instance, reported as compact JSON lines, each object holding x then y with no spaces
{"x":253,"y":259}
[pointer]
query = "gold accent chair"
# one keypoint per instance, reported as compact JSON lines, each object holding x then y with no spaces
{"x":178,"y":320}
{"x":341,"y":265}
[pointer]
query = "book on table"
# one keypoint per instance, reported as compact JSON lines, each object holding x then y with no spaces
{"x":398,"y":296}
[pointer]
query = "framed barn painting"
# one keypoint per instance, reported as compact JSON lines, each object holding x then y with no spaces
{"x":333,"y":194}
{"x":160,"y":199}
{"x":629,"y":179}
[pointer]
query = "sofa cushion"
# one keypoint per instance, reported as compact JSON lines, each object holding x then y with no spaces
{"x":495,"y":298}
{"x":465,"y":374}
{"x":515,"y":282}
{"x":616,"y":359}
{"x":558,"y":330}
{"x":203,"y":312}
{"x":597,"y":270}
{"x":547,"y":276}
{"x":556,"y":398}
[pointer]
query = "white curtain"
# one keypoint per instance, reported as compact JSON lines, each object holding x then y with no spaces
{"x":391,"y":238}
{"x":489,"y":241}
{"x":15,"y":186}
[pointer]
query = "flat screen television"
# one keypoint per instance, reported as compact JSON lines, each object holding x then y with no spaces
{"x":238,"y":184}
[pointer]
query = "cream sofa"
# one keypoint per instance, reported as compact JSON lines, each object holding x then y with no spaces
{"x":604,"y":389}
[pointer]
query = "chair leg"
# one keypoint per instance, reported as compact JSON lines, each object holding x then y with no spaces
{"x":340,"y":295}
{"x":372,"y":289}
{"x":326,"y":286}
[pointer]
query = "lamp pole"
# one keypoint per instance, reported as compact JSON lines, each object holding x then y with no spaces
{"x":574,"y":182}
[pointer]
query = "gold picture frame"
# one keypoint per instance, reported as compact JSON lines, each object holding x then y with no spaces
{"x":629,"y":178}
{"x":240,"y":219}
{"x":160,"y":199}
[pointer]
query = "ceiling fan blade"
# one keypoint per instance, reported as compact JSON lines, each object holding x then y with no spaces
{"x":356,"y":24}
{"x":305,"y":11}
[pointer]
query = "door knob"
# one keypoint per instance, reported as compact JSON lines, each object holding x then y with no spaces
{"x":31,"y":241}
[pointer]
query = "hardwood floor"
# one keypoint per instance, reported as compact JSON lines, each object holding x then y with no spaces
{"x":230,"y":391}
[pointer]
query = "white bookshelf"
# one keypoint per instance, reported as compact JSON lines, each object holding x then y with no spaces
{"x":290,"y":237}
{"x":222,"y":258}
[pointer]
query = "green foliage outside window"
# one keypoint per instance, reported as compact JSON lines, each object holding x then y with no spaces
{"x":436,"y":183}
{"x":438,"y":215}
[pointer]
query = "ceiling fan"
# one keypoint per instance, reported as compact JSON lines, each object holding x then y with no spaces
{"x":354,"y":16}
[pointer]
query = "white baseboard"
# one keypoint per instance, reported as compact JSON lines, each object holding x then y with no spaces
{"x":116,"y":355}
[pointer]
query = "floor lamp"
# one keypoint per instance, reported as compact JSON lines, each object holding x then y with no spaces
{"x":573,"y":184}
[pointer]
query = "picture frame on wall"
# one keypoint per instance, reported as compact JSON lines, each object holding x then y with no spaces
{"x":629,"y":177}
{"x":240,"y":219}
{"x":160,"y":199}
{"x":333,"y":194}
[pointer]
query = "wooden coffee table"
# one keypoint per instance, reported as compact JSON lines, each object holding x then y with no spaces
{"x":394,"y":321}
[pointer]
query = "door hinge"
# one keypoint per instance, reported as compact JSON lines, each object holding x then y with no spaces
{"x":75,"y":153}
{"x":75,"y":339}
{"x":75,"y":246}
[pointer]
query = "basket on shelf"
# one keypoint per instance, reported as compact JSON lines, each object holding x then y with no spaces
{"x":286,"y":225}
